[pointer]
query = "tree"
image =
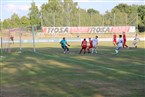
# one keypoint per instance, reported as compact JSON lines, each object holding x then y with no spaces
{"x":122,"y":8}
{"x":34,"y":14}
{"x":141,"y":18}
{"x":141,"y":11}
{"x":15,"y":21}
{"x":94,"y":17}
{"x":71,"y":12}
{"x":129,"y":13}
{"x":6,"y":23}
{"x":50,"y":13}
{"x":92,"y":11}
{"x":58,"y":13}
{"x":25,"y":21}
{"x":108,"y":19}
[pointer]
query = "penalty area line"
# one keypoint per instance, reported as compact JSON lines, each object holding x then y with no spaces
{"x":102,"y":67}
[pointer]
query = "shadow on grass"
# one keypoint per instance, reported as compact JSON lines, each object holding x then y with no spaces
{"x":50,"y":73}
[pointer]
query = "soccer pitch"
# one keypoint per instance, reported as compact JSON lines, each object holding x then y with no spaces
{"x":50,"y":73}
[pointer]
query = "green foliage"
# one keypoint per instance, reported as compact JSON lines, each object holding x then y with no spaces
{"x":67,"y":13}
{"x":123,"y":8}
{"x":141,"y":11}
{"x":108,"y":18}
{"x":34,"y":14}
{"x":91,"y":11}
{"x":25,"y":21}
{"x":57,"y":13}
{"x":50,"y":12}
{"x":141,"y":18}
{"x":15,"y":21}
{"x":6,"y":23}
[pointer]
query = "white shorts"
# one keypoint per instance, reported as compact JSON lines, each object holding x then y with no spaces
{"x":94,"y":45}
{"x":118,"y":47}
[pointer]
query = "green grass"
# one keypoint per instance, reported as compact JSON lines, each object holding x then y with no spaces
{"x":50,"y":73}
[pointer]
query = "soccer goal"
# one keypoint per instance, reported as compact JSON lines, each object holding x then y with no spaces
{"x":7,"y":39}
{"x":18,"y":39}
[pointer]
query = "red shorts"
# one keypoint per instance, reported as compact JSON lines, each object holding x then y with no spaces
{"x":84,"y":46}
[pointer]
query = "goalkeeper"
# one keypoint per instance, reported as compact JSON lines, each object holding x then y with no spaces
{"x":64,"y":45}
{"x":12,"y":39}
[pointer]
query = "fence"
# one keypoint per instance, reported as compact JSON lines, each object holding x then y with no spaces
{"x":63,"y":19}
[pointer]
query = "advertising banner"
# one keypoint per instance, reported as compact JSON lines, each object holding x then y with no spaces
{"x":55,"y":29}
{"x":98,"y":29}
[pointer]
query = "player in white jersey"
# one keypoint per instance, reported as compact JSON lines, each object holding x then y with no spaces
{"x":95,"y":43}
{"x":136,"y":40}
{"x":119,"y":44}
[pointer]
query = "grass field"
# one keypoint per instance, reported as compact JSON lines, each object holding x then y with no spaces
{"x":50,"y":73}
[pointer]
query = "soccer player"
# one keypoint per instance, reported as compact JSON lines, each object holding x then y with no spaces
{"x":90,"y":46}
{"x":95,"y":43}
{"x":84,"y":46}
{"x":136,"y":40}
{"x":12,"y":39}
{"x":64,"y":45}
{"x":119,"y":44}
{"x":114,"y":39}
{"x":124,"y":40}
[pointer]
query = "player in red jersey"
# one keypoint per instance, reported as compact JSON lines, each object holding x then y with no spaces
{"x":124,"y":40}
{"x":114,"y":39}
{"x":90,"y":46}
{"x":84,"y":46}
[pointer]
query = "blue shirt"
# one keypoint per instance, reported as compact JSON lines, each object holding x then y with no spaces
{"x":63,"y":42}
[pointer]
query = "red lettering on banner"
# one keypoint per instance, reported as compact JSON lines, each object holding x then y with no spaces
{"x":44,"y":29}
{"x":120,"y":29}
{"x":79,"y":29}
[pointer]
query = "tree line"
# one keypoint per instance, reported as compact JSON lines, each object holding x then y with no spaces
{"x":67,"y":13}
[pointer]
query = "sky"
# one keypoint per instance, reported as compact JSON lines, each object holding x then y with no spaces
{"x":21,"y":7}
